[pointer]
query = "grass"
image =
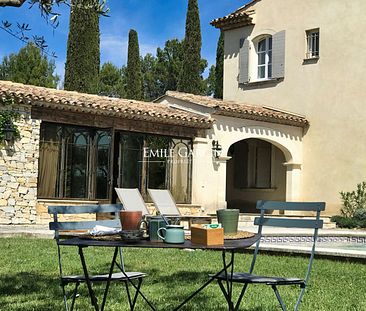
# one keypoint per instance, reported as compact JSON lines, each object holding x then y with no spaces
{"x":29,"y":279}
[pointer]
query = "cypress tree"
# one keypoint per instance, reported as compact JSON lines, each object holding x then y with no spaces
{"x":134,"y":86}
{"x":219,"y":70}
{"x":190,"y":79}
{"x":83,"y":48}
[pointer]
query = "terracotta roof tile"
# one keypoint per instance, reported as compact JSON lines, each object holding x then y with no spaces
{"x":101,"y":105}
{"x":239,"y":18}
{"x":241,"y":110}
{"x":233,"y":20}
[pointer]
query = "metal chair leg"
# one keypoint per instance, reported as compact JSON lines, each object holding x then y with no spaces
{"x":241,"y":296}
{"x":74,"y":294}
{"x":65,"y":296}
{"x":128,"y":294}
{"x":109,"y":279}
{"x":136,"y":294}
{"x":93,"y":299}
{"x":223,"y":290}
{"x":279,"y":297}
{"x":297,"y":306}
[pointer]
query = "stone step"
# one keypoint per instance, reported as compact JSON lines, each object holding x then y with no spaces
{"x":248,"y":220}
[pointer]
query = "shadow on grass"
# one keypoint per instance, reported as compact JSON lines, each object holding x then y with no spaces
{"x":29,"y":291}
{"x":26,"y":291}
{"x":192,"y":281}
{"x":25,"y":283}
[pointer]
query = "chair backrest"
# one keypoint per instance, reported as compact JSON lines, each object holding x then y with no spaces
{"x":58,"y":226}
{"x":132,"y":200}
{"x":311,"y":222}
{"x":164,"y":202}
{"x":83,"y":209}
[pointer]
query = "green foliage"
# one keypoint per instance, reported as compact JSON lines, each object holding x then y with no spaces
{"x":134,"y":85}
{"x":360,"y":215}
{"x":29,"y":66}
{"x":358,"y":219}
{"x":190,"y":79}
{"x":211,"y":82}
{"x":83,"y":48}
{"x":169,"y":65}
{"x":353,"y":200}
{"x":159,"y":73}
{"x":112,"y":81}
{"x":150,"y":79}
{"x":8,"y":116}
{"x":345,"y":222}
{"x":219,"y":73}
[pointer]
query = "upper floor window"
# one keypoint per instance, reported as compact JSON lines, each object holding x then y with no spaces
{"x":262,"y":58}
{"x":264,"y":52}
{"x":312,"y":39}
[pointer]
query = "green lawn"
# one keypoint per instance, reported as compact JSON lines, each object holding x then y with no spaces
{"x":29,"y":279}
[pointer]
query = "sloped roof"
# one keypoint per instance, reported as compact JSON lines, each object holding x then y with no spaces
{"x":240,"y":18}
{"x":101,"y":105}
{"x":241,"y":110}
{"x":233,"y":20}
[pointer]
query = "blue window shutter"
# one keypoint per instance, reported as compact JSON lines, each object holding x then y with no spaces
{"x":244,"y":61}
{"x":278,"y":54}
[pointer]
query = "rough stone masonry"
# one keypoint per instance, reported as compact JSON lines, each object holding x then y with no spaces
{"x":19,"y":172}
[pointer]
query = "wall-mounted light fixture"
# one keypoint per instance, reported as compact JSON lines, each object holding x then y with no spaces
{"x":9,"y":131}
{"x":216,"y":149}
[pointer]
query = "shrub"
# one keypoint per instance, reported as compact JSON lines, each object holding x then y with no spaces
{"x":354,"y":200}
{"x":360,"y":215}
{"x":345,"y":222}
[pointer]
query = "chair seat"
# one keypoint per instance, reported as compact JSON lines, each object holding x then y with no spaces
{"x":120,"y":276}
{"x":240,"y":277}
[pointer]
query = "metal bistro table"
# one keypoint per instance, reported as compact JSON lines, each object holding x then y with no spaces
{"x":230,"y":247}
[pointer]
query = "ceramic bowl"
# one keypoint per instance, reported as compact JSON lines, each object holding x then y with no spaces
{"x":131,"y":235}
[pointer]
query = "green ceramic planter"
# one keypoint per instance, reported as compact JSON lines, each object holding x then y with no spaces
{"x":229,"y":219}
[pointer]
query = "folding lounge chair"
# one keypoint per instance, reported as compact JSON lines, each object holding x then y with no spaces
{"x":274,"y":282}
{"x":122,"y":276}
{"x":132,"y":200}
{"x":165,"y":204}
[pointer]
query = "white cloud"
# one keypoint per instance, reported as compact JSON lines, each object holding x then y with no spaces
{"x":114,"y":49}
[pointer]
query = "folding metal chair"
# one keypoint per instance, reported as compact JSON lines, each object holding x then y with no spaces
{"x":122,"y":276}
{"x":132,"y":200}
{"x":274,"y":282}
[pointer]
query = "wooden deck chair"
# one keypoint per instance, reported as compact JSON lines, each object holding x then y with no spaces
{"x":275,"y":282}
{"x":165,"y":204}
{"x":132,"y":200}
{"x":122,"y":276}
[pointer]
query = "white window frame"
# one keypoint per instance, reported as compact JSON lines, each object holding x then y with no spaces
{"x":268,"y":61}
{"x":312,"y":43}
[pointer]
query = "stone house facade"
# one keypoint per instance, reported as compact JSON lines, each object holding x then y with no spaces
{"x":298,"y":56}
{"x":75,"y":148}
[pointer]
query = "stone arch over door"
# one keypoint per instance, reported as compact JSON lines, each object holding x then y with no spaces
{"x":287,"y":143}
{"x":254,"y":172}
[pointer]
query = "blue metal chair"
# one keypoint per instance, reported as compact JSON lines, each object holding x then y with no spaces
{"x":70,"y":226}
{"x":275,"y":282}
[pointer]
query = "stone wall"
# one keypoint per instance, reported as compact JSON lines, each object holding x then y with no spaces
{"x":19,"y":173}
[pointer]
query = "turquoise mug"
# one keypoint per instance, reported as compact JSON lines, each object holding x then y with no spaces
{"x":173,"y":234}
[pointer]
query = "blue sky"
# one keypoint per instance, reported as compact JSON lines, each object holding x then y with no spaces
{"x":155,"y":21}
